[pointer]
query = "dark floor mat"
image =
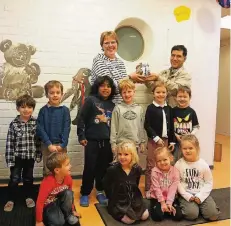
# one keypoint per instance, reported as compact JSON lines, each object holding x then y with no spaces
{"x":221,"y":197}
{"x":20,"y":215}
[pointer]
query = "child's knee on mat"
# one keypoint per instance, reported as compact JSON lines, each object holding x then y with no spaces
{"x":191,"y":213}
{"x":211,"y":215}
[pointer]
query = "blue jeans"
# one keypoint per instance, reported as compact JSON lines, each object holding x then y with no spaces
{"x":55,"y":214}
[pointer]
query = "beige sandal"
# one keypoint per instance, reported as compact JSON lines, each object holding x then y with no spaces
{"x":30,"y":203}
{"x":9,"y":206}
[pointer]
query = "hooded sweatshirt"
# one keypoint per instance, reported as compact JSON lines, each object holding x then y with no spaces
{"x":127,"y":124}
{"x":89,"y":126}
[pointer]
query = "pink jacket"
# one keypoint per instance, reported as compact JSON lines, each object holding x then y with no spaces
{"x":164,"y":185}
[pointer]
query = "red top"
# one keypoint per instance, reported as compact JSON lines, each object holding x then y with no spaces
{"x":48,"y":191}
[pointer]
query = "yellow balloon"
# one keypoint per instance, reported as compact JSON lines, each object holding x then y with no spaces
{"x":182,"y":13}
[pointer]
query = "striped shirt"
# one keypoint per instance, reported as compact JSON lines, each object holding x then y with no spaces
{"x":115,"y":69}
{"x":21,"y":141}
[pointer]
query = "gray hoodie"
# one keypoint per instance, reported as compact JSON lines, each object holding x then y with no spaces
{"x":127,"y":124}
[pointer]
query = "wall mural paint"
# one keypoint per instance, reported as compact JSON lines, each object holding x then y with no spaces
{"x":79,"y":91}
{"x":17,"y":74}
{"x":182,"y":13}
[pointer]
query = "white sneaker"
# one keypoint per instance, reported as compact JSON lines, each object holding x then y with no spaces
{"x":72,"y":219}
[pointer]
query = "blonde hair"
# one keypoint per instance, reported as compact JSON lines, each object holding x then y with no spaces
{"x":126,"y":84}
{"x":106,"y":34}
{"x":159,"y":84}
{"x":163,"y":150}
{"x":51,"y":84}
{"x":130,"y":147}
{"x":192,"y":139}
{"x":56,"y":160}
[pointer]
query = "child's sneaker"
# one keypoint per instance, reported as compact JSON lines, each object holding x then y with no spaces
{"x":30,"y":203}
{"x":9,"y":206}
{"x":84,"y":201}
{"x":101,"y":199}
{"x":72,"y":220}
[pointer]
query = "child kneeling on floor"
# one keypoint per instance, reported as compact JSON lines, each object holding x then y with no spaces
{"x":125,"y":201}
{"x":55,"y":203}
{"x":196,"y":182}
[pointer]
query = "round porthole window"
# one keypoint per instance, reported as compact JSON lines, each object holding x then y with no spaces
{"x":131,"y":43}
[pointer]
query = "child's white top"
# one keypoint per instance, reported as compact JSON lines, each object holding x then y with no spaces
{"x":195,"y":179}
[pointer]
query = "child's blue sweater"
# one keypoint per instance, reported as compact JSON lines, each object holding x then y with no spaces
{"x":54,"y":125}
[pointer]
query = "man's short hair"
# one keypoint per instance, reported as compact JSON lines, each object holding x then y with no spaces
{"x":126,"y":84}
{"x":180,"y":48}
{"x":51,"y":84}
{"x":184,"y":89}
{"x":56,"y":160}
{"x":25,"y":100}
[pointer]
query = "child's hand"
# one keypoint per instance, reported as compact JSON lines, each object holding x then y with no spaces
{"x":192,"y":199}
{"x":52,"y":148}
{"x":171,"y":147}
{"x":39,"y":224}
{"x":164,"y":207}
{"x":38,"y":160}
{"x":83,"y":142}
{"x":142,"y":147}
{"x":77,"y":214}
{"x":59,"y":148}
{"x":197,"y":200}
{"x":160,"y":142}
{"x":102,"y":118}
{"x":171,"y":209}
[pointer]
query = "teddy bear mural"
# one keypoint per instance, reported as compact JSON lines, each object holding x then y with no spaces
{"x":17,"y":74}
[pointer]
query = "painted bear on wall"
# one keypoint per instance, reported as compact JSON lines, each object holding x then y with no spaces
{"x":17,"y":75}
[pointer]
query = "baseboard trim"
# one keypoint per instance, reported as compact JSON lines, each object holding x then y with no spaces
{"x":38,"y":179}
{"x":75,"y":177}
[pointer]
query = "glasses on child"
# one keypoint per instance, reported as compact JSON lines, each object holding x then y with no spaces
{"x":108,"y":43}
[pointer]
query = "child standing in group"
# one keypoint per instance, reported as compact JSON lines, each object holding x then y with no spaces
{"x":196,"y":182}
{"x":164,"y":181}
{"x":125,"y":201}
{"x":159,"y":127}
{"x":184,"y":117}
{"x":93,"y":130}
{"x":127,"y":118}
{"x":22,"y":149}
{"x":53,"y":122}
{"x":55,"y":203}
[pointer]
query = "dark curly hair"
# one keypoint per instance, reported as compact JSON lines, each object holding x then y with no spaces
{"x":25,"y":100}
{"x":98,"y":82}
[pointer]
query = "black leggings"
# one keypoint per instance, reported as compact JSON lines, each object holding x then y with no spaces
{"x":157,"y":214}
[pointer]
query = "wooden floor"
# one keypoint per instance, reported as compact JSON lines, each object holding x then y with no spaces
{"x":221,"y":174}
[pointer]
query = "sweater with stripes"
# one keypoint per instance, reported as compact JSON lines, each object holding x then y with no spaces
{"x":114,"y":68}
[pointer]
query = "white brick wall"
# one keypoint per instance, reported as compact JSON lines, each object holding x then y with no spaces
{"x":66,"y":35}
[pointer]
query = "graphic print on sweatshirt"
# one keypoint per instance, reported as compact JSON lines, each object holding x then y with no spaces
{"x":104,"y":115}
{"x":53,"y":195}
{"x":183,"y":125}
{"x":192,"y":178}
{"x":130,"y":115}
